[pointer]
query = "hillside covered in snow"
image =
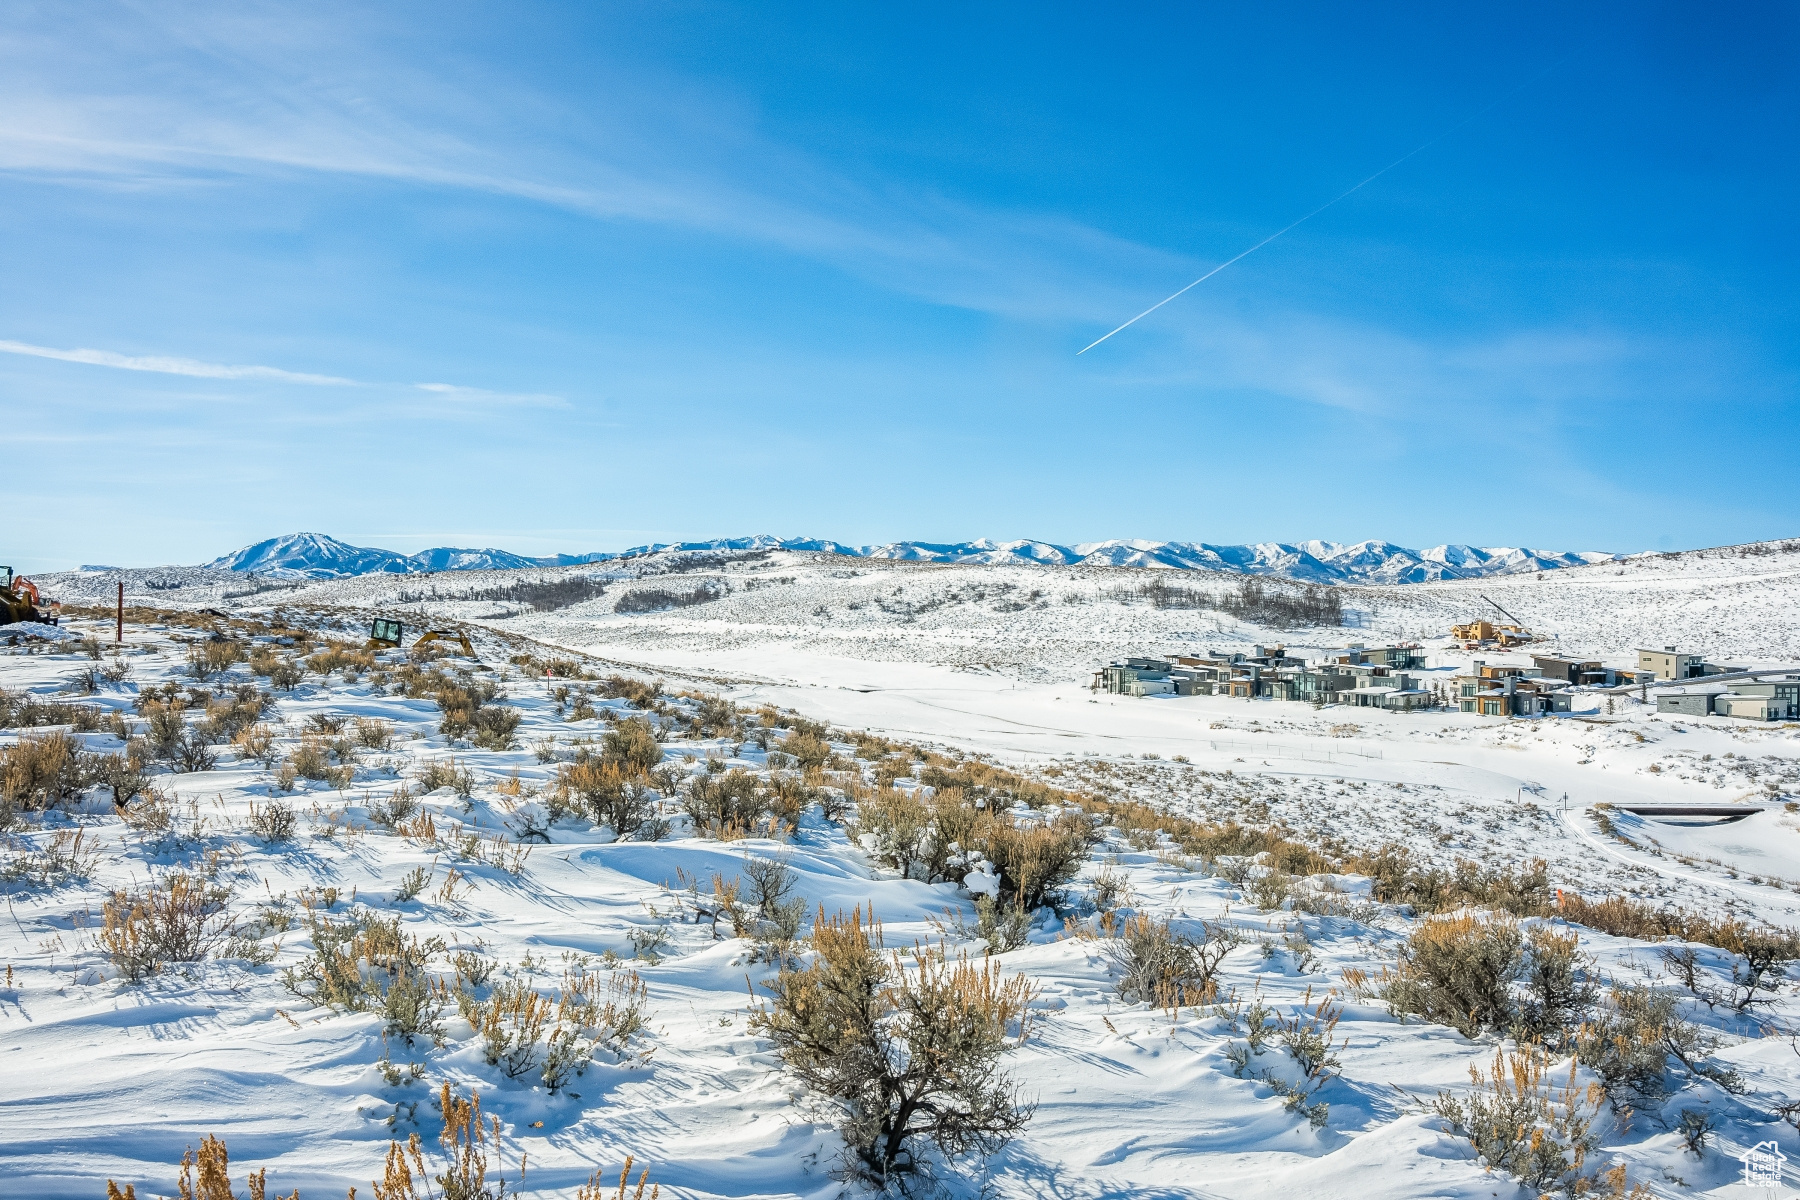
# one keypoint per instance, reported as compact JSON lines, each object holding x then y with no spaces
{"x":1042,"y":620}
{"x":539,"y":879}
{"x":310,"y":898}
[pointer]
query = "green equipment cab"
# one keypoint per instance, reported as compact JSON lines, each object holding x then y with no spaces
{"x":384,"y":634}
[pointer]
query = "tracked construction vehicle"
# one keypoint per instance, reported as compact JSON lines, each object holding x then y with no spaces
{"x":20,"y":602}
{"x":386,"y":633}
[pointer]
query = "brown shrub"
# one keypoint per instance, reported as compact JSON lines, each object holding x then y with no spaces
{"x":256,"y":742}
{"x":311,"y":759}
{"x":1522,"y":889}
{"x":1457,"y":971}
{"x":286,"y":675}
{"x":21,"y":710}
{"x":1034,"y":863}
{"x":631,"y":746}
{"x":904,"y":1055}
{"x":180,"y":918}
{"x":1158,"y":966}
{"x":373,"y":733}
{"x":228,"y":716}
{"x":207,"y":659}
{"x":493,"y":727}
{"x":340,"y":656}
{"x":730,"y":801}
{"x":1521,"y":1122}
{"x":1622,"y":916}
{"x":1633,"y":1043}
{"x":64,"y":855}
{"x":638,"y":693}
{"x":809,"y":751}
{"x":607,"y":793}
{"x":897,"y":827}
{"x":1760,"y":954}
{"x":38,"y":772}
{"x":915,"y":835}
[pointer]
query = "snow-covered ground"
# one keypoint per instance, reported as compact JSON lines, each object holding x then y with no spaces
{"x":108,"y":1078}
{"x":1044,"y":621}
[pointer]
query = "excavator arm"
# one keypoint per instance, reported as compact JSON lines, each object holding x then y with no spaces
{"x":446,"y":635}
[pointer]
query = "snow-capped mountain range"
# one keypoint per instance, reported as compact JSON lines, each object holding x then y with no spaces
{"x":315,"y":556}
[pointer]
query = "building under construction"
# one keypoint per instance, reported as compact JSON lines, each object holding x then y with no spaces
{"x":1482,"y":632}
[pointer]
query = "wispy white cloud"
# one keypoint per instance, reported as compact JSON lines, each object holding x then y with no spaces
{"x":166,"y":365}
{"x":478,"y":396}
{"x":233,"y":93}
{"x":139,"y":96}
{"x":460,"y":400}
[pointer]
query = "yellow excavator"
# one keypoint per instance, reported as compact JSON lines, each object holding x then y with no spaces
{"x":385,"y":634}
{"x":19,"y":601}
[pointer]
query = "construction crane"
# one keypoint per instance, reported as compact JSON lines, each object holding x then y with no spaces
{"x":1516,"y":623}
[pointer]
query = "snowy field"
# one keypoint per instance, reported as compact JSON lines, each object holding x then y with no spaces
{"x":113,"y":1078}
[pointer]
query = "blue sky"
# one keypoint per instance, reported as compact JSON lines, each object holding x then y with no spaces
{"x":573,"y":277}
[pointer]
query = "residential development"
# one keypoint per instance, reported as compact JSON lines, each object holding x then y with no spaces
{"x":1390,"y":677}
{"x":1363,"y":676}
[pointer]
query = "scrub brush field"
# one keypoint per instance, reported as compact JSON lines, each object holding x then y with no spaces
{"x":421,"y":925}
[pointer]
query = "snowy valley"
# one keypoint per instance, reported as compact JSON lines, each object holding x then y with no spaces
{"x":571,"y":875}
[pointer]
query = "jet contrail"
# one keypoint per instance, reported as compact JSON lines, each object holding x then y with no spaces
{"x":1315,"y":212}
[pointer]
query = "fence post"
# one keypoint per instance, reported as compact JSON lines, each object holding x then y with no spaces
{"x":119,"y":631}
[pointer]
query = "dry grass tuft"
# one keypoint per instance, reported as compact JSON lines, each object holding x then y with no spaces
{"x":460,"y":1168}
{"x":65,"y":855}
{"x":595,"y":1187}
{"x":207,"y":1176}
